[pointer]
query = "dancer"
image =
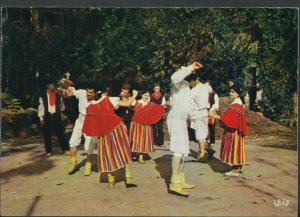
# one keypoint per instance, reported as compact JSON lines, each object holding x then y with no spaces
{"x":233,"y":140}
{"x":85,"y":98}
{"x":123,"y":112}
{"x":49,"y":112}
{"x":199,"y":116}
{"x":141,"y":132}
{"x":158,"y":128}
{"x":181,"y":101}
{"x":113,"y":144}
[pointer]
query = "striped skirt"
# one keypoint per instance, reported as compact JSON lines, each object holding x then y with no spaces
{"x":141,"y":137}
{"x":114,"y":149}
{"x":233,"y":147}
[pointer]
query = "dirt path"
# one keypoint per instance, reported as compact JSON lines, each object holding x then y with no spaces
{"x":32,"y":184}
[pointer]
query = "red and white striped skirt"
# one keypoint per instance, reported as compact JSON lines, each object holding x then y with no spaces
{"x":141,"y":137}
{"x":233,"y":147}
{"x":114,"y":149}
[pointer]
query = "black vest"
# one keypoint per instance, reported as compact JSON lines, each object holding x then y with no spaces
{"x":125,"y":113}
{"x":57,"y":104}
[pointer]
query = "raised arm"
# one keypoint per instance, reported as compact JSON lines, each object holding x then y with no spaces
{"x":128,"y":102}
{"x":179,"y":75}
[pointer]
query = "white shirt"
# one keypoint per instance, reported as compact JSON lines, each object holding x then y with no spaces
{"x":237,"y":101}
{"x":200,"y":95}
{"x":215,"y":106}
{"x":181,"y":95}
{"x":51,"y":109}
{"x":83,"y":103}
{"x":114,"y":101}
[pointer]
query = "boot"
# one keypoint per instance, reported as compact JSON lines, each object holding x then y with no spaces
{"x":202,"y":157}
{"x":184,"y":184}
{"x":88,"y":168}
{"x":72,"y":166}
{"x":141,"y":159}
{"x":129,"y":178}
{"x":111,"y":180}
{"x":176,"y":180}
{"x":181,"y":173}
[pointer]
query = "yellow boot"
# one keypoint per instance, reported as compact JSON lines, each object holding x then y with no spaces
{"x":203,"y":156}
{"x":72,"y":166}
{"x":184,"y":184}
{"x":88,"y":168}
{"x":111,"y":180}
{"x":129,"y":178}
{"x":176,"y":180}
{"x":141,"y":159}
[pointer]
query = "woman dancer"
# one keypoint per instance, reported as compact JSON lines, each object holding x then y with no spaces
{"x":113,"y":144}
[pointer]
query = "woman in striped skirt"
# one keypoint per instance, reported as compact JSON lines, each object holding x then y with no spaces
{"x":141,"y":132}
{"x":233,"y":139}
{"x":113,"y":144}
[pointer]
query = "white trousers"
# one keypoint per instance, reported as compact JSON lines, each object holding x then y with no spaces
{"x":75,"y":139}
{"x":177,"y":127}
{"x":199,"y":123}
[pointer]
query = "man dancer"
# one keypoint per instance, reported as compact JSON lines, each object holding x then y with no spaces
{"x":49,"y":112}
{"x":85,"y":98}
{"x":199,"y":116}
{"x":181,"y":101}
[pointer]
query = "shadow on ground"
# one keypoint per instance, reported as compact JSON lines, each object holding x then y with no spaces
{"x":163,"y":166}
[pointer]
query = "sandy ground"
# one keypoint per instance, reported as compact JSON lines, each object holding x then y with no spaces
{"x":33,"y":185}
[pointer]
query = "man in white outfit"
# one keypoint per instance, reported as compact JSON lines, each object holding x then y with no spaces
{"x":85,"y":98}
{"x":181,"y":106}
{"x":199,"y":116}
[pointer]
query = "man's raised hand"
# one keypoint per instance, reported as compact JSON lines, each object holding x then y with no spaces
{"x":197,"y":65}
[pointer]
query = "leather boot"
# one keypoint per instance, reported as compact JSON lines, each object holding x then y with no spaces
{"x":111,"y":180}
{"x":129,"y":178}
{"x":88,"y":168}
{"x":73,"y":165}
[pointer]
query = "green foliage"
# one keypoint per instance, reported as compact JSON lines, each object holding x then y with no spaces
{"x":14,"y":115}
{"x":112,"y":45}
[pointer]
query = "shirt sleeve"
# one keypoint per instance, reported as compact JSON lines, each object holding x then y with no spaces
{"x":41,"y":109}
{"x":79,"y":93}
{"x":114,"y":101}
{"x":179,"y":75}
{"x":215,"y":106}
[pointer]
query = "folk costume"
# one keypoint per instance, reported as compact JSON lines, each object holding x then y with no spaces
{"x":75,"y":139}
{"x":141,"y":132}
{"x":181,"y":106}
{"x":50,"y":107}
{"x":199,"y":117}
{"x":126,"y":114}
{"x":158,"y":130}
{"x":233,"y":139}
{"x":113,"y":145}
